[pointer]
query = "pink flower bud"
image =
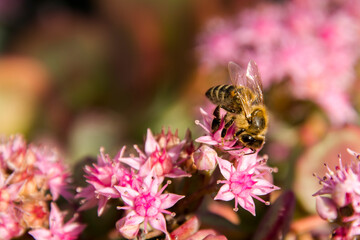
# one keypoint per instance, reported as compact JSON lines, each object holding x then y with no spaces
{"x":205,"y":158}
{"x":187,"y":229}
{"x":127,"y":230}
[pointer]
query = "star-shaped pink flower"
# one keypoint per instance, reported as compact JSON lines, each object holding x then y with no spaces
{"x":57,"y":229}
{"x":229,"y":143}
{"x":163,"y":159}
{"x":243,"y":183}
{"x":102,"y":177}
{"x":145,"y":205}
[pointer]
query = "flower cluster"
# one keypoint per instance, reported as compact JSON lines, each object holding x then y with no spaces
{"x":339,"y":198}
{"x":137,"y":181}
{"x":313,"y":42}
{"x":31,"y":176}
{"x":244,"y":171}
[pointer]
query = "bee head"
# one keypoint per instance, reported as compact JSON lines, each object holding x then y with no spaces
{"x":257,"y":120}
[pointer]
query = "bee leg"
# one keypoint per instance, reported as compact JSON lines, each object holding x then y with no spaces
{"x":252,"y":152}
{"x":239,"y":132}
{"x":217,"y":120}
{"x":226,"y":127}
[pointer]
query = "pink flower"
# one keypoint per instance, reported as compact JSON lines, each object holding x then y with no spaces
{"x":10,"y":225}
{"x":10,"y":149}
{"x":342,"y":185}
{"x":162,"y":157}
{"x":57,"y":229}
{"x":243,"y":183}
{"x":102,"y":178}
{"x":52,"y":169}
{"x":227,"y":143}
{"x":145,"y":204}
{"x":9,"y":193}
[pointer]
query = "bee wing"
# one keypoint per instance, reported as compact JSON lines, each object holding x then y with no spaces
{"x":253,"y":81}
{"x":249,"y":79}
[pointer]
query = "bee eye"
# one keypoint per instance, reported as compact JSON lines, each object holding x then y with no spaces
{"x":247,"y":138}
{"x":251,"y":141}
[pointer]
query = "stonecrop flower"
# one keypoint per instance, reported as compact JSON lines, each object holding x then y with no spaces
{"x":145,"y":205}
{"x":135,"y":182}
{"x":244,"y":182}
{"x":315,"y":35}
{"x":214,"y":138}
{"x":229,"y":143}
{"x":339,"y":198}
{"x":244,"y":172}
{"x":30,"y":176}
{"x":57,"y":228}
{"x":162,"y":155}
{"x":102,"y":178}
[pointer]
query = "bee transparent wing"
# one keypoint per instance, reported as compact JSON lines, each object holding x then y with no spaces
{"x":238,"y":78}
{"x":253,"y":81}
{"x":236,"y":73}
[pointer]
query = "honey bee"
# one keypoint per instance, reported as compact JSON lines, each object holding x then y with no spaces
{"x":244,"y":104}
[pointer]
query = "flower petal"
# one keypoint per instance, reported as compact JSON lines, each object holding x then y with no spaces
{"x":226,"y":168}
{"x":224,"y":193}
{"x":158,"y":222}
{"x":207,"y":140}
{"x":40,"y":234}
{"x":127,"y":230}
{"x":247,"y":203}
{"x":150,"y":144}
{"x":169,"y":200}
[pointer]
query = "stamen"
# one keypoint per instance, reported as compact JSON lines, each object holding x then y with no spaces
{"x":197,"y":122}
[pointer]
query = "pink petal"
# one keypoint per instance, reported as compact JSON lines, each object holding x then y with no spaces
{"x":174,"y":152}
{"x":128,"y":231}
{"x":74,"y":228}
{"x":188,"y":228}
{"x":158,"y":222}
{"x":127,"y":194}
{"x":226,"y":168}
{"x":207,"y":140}
{"x":326,"y":208}
{"x":224,"y":193}
{"x":56,"y":217}
{"x":101,"y":205}
{"x":202,"y":234}
{"x":133,"y":162}
{"x":263,"y":187}
{"x":133,"y":219}
{"x":110,"y":192}
{"x":247,"y":204}
{"x":177,"y":173}
{"x":215,"y":237}
{"x":40,"y":234}
{"x":150,"y":144}
{"x":152,"y":182}
{"x":169,"y":200}
{"x":145,"y":168}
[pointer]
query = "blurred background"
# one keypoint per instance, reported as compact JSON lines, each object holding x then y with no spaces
{"x":84,"y":74}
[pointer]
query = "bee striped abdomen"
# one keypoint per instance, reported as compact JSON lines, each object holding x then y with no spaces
{"x":224,"y":96}
{"x":219,"y":94}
